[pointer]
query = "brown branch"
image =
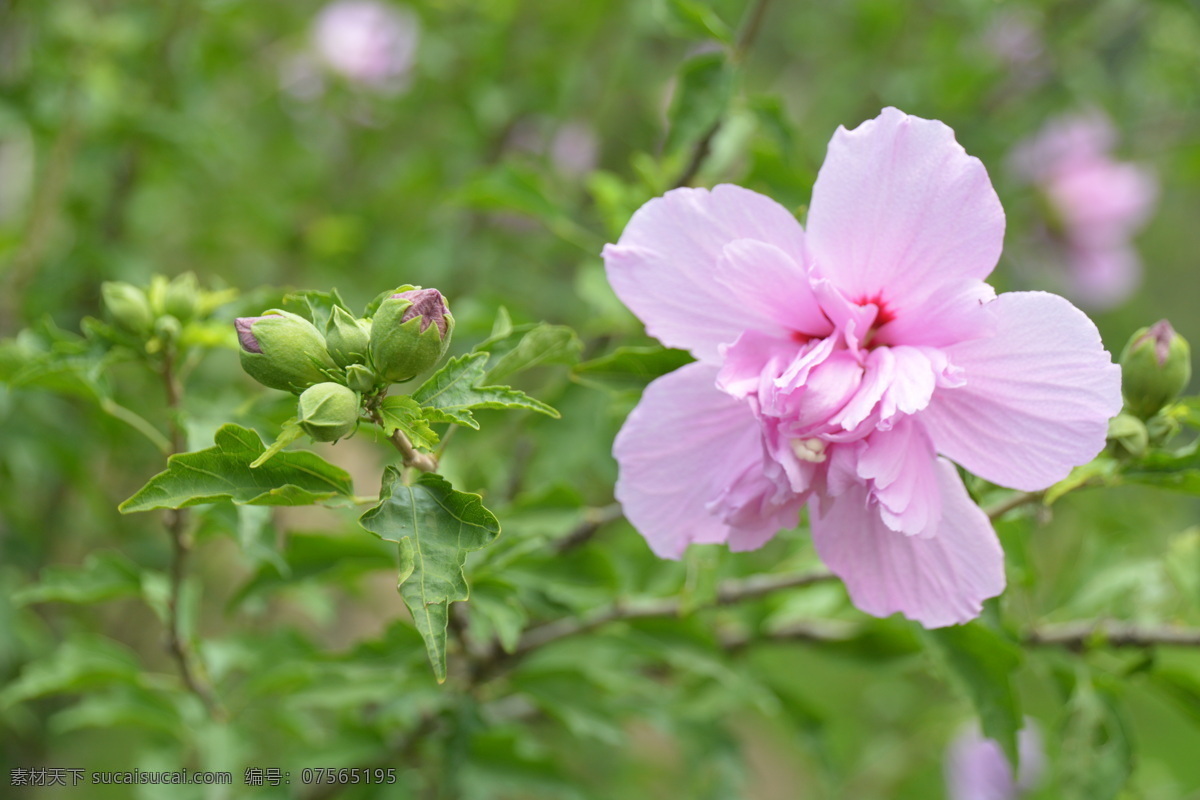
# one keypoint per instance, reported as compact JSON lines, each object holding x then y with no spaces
{"x":820,"y":631}
{"x":728,"y":593}
{"x":1111,"y":633}
{"x":998,"y":510}
{"x":425,"y":462}
{"x":191,"y":670}
{"x":593,"y":520}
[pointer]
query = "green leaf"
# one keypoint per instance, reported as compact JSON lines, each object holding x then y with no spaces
{"x":402,"y":413}
{"x":985,"y":662}
{"x":84,"y":662}
{"x":702,"y":96}
{"x":103,"y":576}
{"x":1096,"y":756}
{"x":453,"y":391}
{"x":699,"y":21}
{"x":435,"y":527}
{"x":496,"y":610}
{"x":309,"y":556}
{"x":289,"y":432}
{"x":630,"y":367}
{"x":1100,"y":470}
{"x":529,"y":346}
{"x":1186,"y":410}
{"x":223,"y":472}
{"x":315,"y":305}
{"x":1179,"y":471}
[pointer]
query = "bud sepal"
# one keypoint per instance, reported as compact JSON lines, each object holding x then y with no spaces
{"x":346,"y":338}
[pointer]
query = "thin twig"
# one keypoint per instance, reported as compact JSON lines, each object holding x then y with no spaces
{"x":190,"y":668}
{"x":998,"y":510}
{"x":728,"y":593}
{"x":425,"y":462}
{"x":1111,"y":633}
{"x":593,"y":520}
{"x":749,"y":31}
{"x":821,"y":631}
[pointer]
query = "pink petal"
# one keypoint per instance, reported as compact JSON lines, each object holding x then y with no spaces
{"x":953,"y":312}
{"x":899,"y":211}
{"x":765,"y":281}
{"x":1037,"y":399}
{"x":685,"y":446}
{"x":896,"y":380}
{"x":751,"y":361}
{"x":664,"y":265}
{"x":937,"y":581}
{"x":900,"y":464}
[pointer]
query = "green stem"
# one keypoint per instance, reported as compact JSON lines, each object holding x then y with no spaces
{"x":137,"y":422}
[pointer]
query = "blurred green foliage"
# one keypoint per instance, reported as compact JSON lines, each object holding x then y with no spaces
{"x":198,"y":135}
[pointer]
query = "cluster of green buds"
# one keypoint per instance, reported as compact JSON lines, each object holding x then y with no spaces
{"x":158,"y":313}
{"x":333,"y":370}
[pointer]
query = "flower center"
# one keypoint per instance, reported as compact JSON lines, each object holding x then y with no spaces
{"x":810,"y":450}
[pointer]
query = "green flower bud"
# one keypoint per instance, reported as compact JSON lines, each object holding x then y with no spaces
{"x":182,"y":297}
{"x":283,"y":351}
{"x":328,"y":411}
{"x":410,"y":333}
{"x":128,"y":306}
{"x":360,"y":378}
{"x":1155,"y":368}
{"x":347,"y":338}
{"x":156,"y":293}
{"x":167,"y":328}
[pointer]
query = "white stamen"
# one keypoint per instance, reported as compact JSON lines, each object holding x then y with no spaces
{"x":810,"y":450}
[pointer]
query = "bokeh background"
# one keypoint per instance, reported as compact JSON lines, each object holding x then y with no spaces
{"x":490,"y":149}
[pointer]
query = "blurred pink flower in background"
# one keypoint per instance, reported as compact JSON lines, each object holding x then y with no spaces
{"x":574,"y":149}
{"x":1014,"y":38}
{"x":1094,"y":204}
{"x":571,"y":146}
{"x":367,"y":42}
{"x":977,"y":769}
{"x":836,"y":363}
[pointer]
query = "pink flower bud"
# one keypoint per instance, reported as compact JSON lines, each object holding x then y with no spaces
{"x":428,"y":304}
{"x":244,"y":334}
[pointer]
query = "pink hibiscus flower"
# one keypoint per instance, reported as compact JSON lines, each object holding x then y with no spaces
{"x":835,"y":364}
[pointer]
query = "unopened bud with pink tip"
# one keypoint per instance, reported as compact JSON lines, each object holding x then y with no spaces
{"x":410,"y":333}
{"x":283,"y":351}
{"x":1155,"y":368}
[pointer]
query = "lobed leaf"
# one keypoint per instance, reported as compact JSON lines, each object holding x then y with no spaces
{"x":223,"y":472}
{"x":402,"y":413}
{"x":435,"y":527}
{"x":453,"y":392}
{"x":527,"y":346}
